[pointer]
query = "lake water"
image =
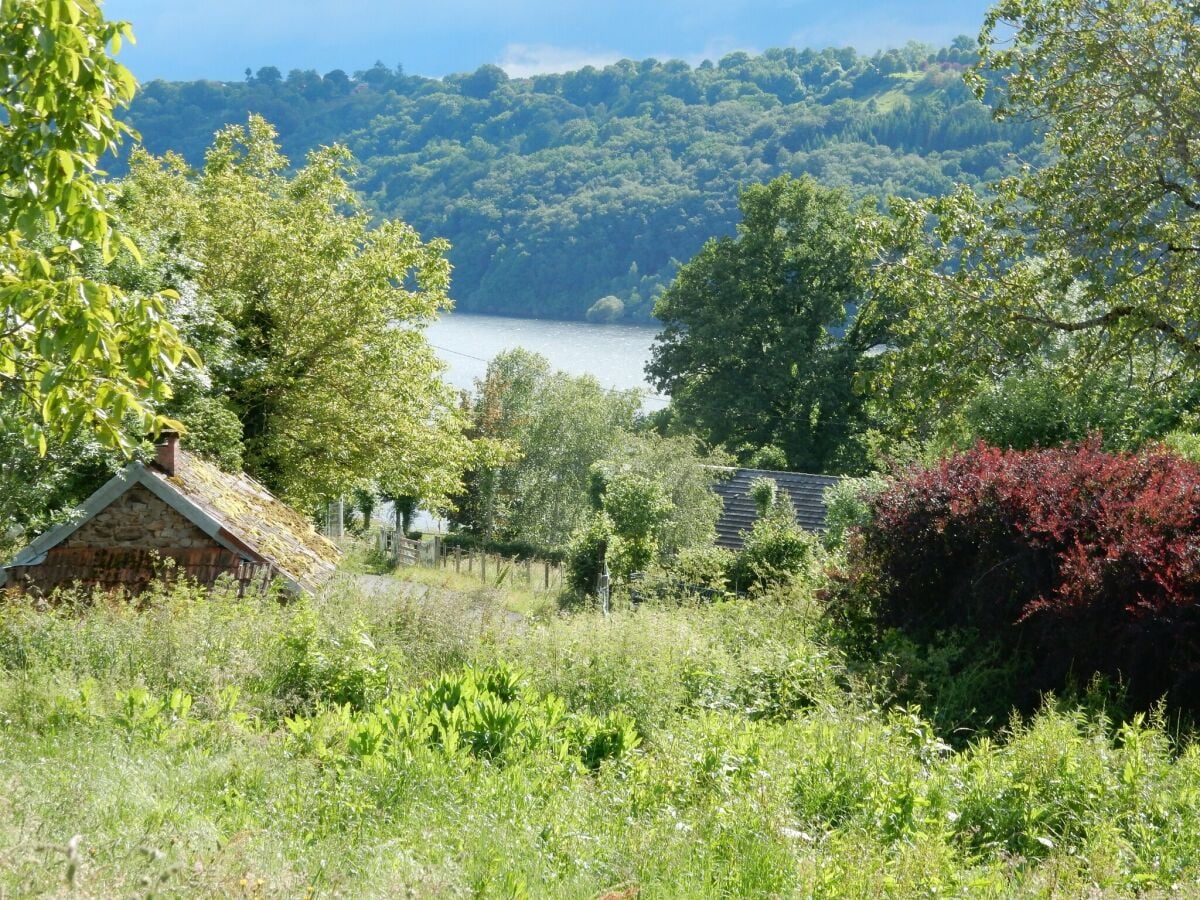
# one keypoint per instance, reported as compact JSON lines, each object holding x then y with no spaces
{"x":616,"y":355}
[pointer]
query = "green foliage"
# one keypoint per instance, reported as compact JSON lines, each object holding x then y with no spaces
{"x":559,"y":189}
{"x":637,"y":508}
{"x":1085,"y":265}
{"x":586,"y":554}
{"x":556,"y":427}
{"x":632,"y":514}
{"x":761,"y":344}
{"x":40,"y":491}
{"x":763,"y":492}
{"x":962,"y":681}
{"x":313,"y":315}
{"x":680,"y":469}
{"x":704,"y":567}
{"x":1047,"y":405}
{"x":561,"y":433}
{"x":487,"y":714}
{"x":848,"y":505}
{"x":717,"y":744}
{"x":77,"y":354}
{"x":777,"y":551}
{"x":606,"y":310}
{"x":1184,"y":443}
{"x":310,"y":667}
{"x":598,"y":740}
{"x":213,"y":430}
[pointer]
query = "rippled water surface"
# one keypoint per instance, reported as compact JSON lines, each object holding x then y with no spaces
{"x":615,"y":354}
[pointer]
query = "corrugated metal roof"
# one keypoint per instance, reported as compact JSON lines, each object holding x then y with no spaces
{"x":739,"y":511}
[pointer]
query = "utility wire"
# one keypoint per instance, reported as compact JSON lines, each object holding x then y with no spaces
{"x":610,"y":390}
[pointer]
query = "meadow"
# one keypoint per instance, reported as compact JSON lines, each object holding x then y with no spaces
{"x":376,"y":744}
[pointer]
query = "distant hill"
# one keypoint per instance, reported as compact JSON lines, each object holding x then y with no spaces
{"x":558,"y":190}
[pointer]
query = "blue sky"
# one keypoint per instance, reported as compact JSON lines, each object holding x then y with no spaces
{"x":218,"y":39}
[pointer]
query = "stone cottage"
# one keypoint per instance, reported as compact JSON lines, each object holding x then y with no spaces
{"x":179,"y":513}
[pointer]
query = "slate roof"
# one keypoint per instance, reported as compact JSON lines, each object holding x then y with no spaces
{"x":739,"y":512}
{"x":235,"y":511}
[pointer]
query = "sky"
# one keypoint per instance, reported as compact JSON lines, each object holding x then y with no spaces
{"x":219,"y":39}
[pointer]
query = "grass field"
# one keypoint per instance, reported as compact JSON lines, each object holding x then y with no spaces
{"x":372,"y":744}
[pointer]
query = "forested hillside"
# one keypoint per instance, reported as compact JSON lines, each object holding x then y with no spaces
{"x":558,"y":190}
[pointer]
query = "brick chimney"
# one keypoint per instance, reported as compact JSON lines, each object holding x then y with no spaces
{"x":166,"y":451}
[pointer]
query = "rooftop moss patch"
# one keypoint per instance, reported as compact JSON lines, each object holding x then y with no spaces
{"x":252,"y":514}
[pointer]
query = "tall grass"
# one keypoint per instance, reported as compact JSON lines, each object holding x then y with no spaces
{"x":208,"y":745}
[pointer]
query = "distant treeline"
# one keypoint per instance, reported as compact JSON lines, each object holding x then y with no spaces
{"x":558,"y":190}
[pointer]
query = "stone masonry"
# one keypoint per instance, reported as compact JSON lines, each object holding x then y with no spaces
{"x":138,"y":520}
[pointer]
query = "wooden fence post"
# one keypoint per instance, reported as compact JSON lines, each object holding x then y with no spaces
{"x":457,"y":560}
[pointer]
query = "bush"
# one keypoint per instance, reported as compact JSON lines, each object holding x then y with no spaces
{"x":585,"y":555}
{"x":1087,"y":560}
{"x":776,"y":551}
{"x":606,"y":310}
{"x":764,"y":492}
{"x":519,"y":549}
{"x":848,"y":505}
{"x":705,"y":567}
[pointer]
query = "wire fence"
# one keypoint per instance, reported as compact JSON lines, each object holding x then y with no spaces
{"x":490,"y":568}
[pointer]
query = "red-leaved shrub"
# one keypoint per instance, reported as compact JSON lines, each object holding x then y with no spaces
{"x":1087,"y":561}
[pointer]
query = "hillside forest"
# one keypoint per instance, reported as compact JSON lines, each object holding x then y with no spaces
{"x":558,"y":191}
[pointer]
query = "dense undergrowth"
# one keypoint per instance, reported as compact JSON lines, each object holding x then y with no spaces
{"x":372,"y":744}
{"x":996,"y":575}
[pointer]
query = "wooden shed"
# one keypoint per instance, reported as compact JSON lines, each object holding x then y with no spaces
{"x":207,"y":522}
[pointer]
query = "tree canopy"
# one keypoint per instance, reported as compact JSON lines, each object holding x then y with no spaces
{"x":1090,"y":263}
{"x":565,"y":436}
{"x":760,"y":342}
{"x":309,"y":318}
{"x":562,"y":189}
{"x":76,"y":353}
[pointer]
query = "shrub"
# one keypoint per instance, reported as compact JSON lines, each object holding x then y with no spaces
{"x":776,"y":550}
{"x":704,"y":567}
{"x":637,"y":508}
{"x":1089,"y":561}
{"x":763,"y":491}
{"x":848,"y":505}
{"x":312,"y":666}
{"x":585,"y":554}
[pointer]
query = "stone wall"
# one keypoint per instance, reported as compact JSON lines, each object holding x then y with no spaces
{"x":138,"y":520}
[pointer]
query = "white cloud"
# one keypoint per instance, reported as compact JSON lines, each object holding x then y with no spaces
{"x":523,"y":60}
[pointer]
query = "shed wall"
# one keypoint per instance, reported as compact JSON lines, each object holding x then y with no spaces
{"x":138,"y":520}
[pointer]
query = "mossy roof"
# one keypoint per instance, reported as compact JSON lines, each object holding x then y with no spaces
{"x":254,"y":516}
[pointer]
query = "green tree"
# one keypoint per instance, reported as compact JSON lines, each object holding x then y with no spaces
{"x":1092,"y":261}
{"x":557,"y":426}
{"x":552,"y":189}
{"x":678,"y":466}
{"x":76,"y":354}
{"x":761,"y":343}
{"x":322,"y":356}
